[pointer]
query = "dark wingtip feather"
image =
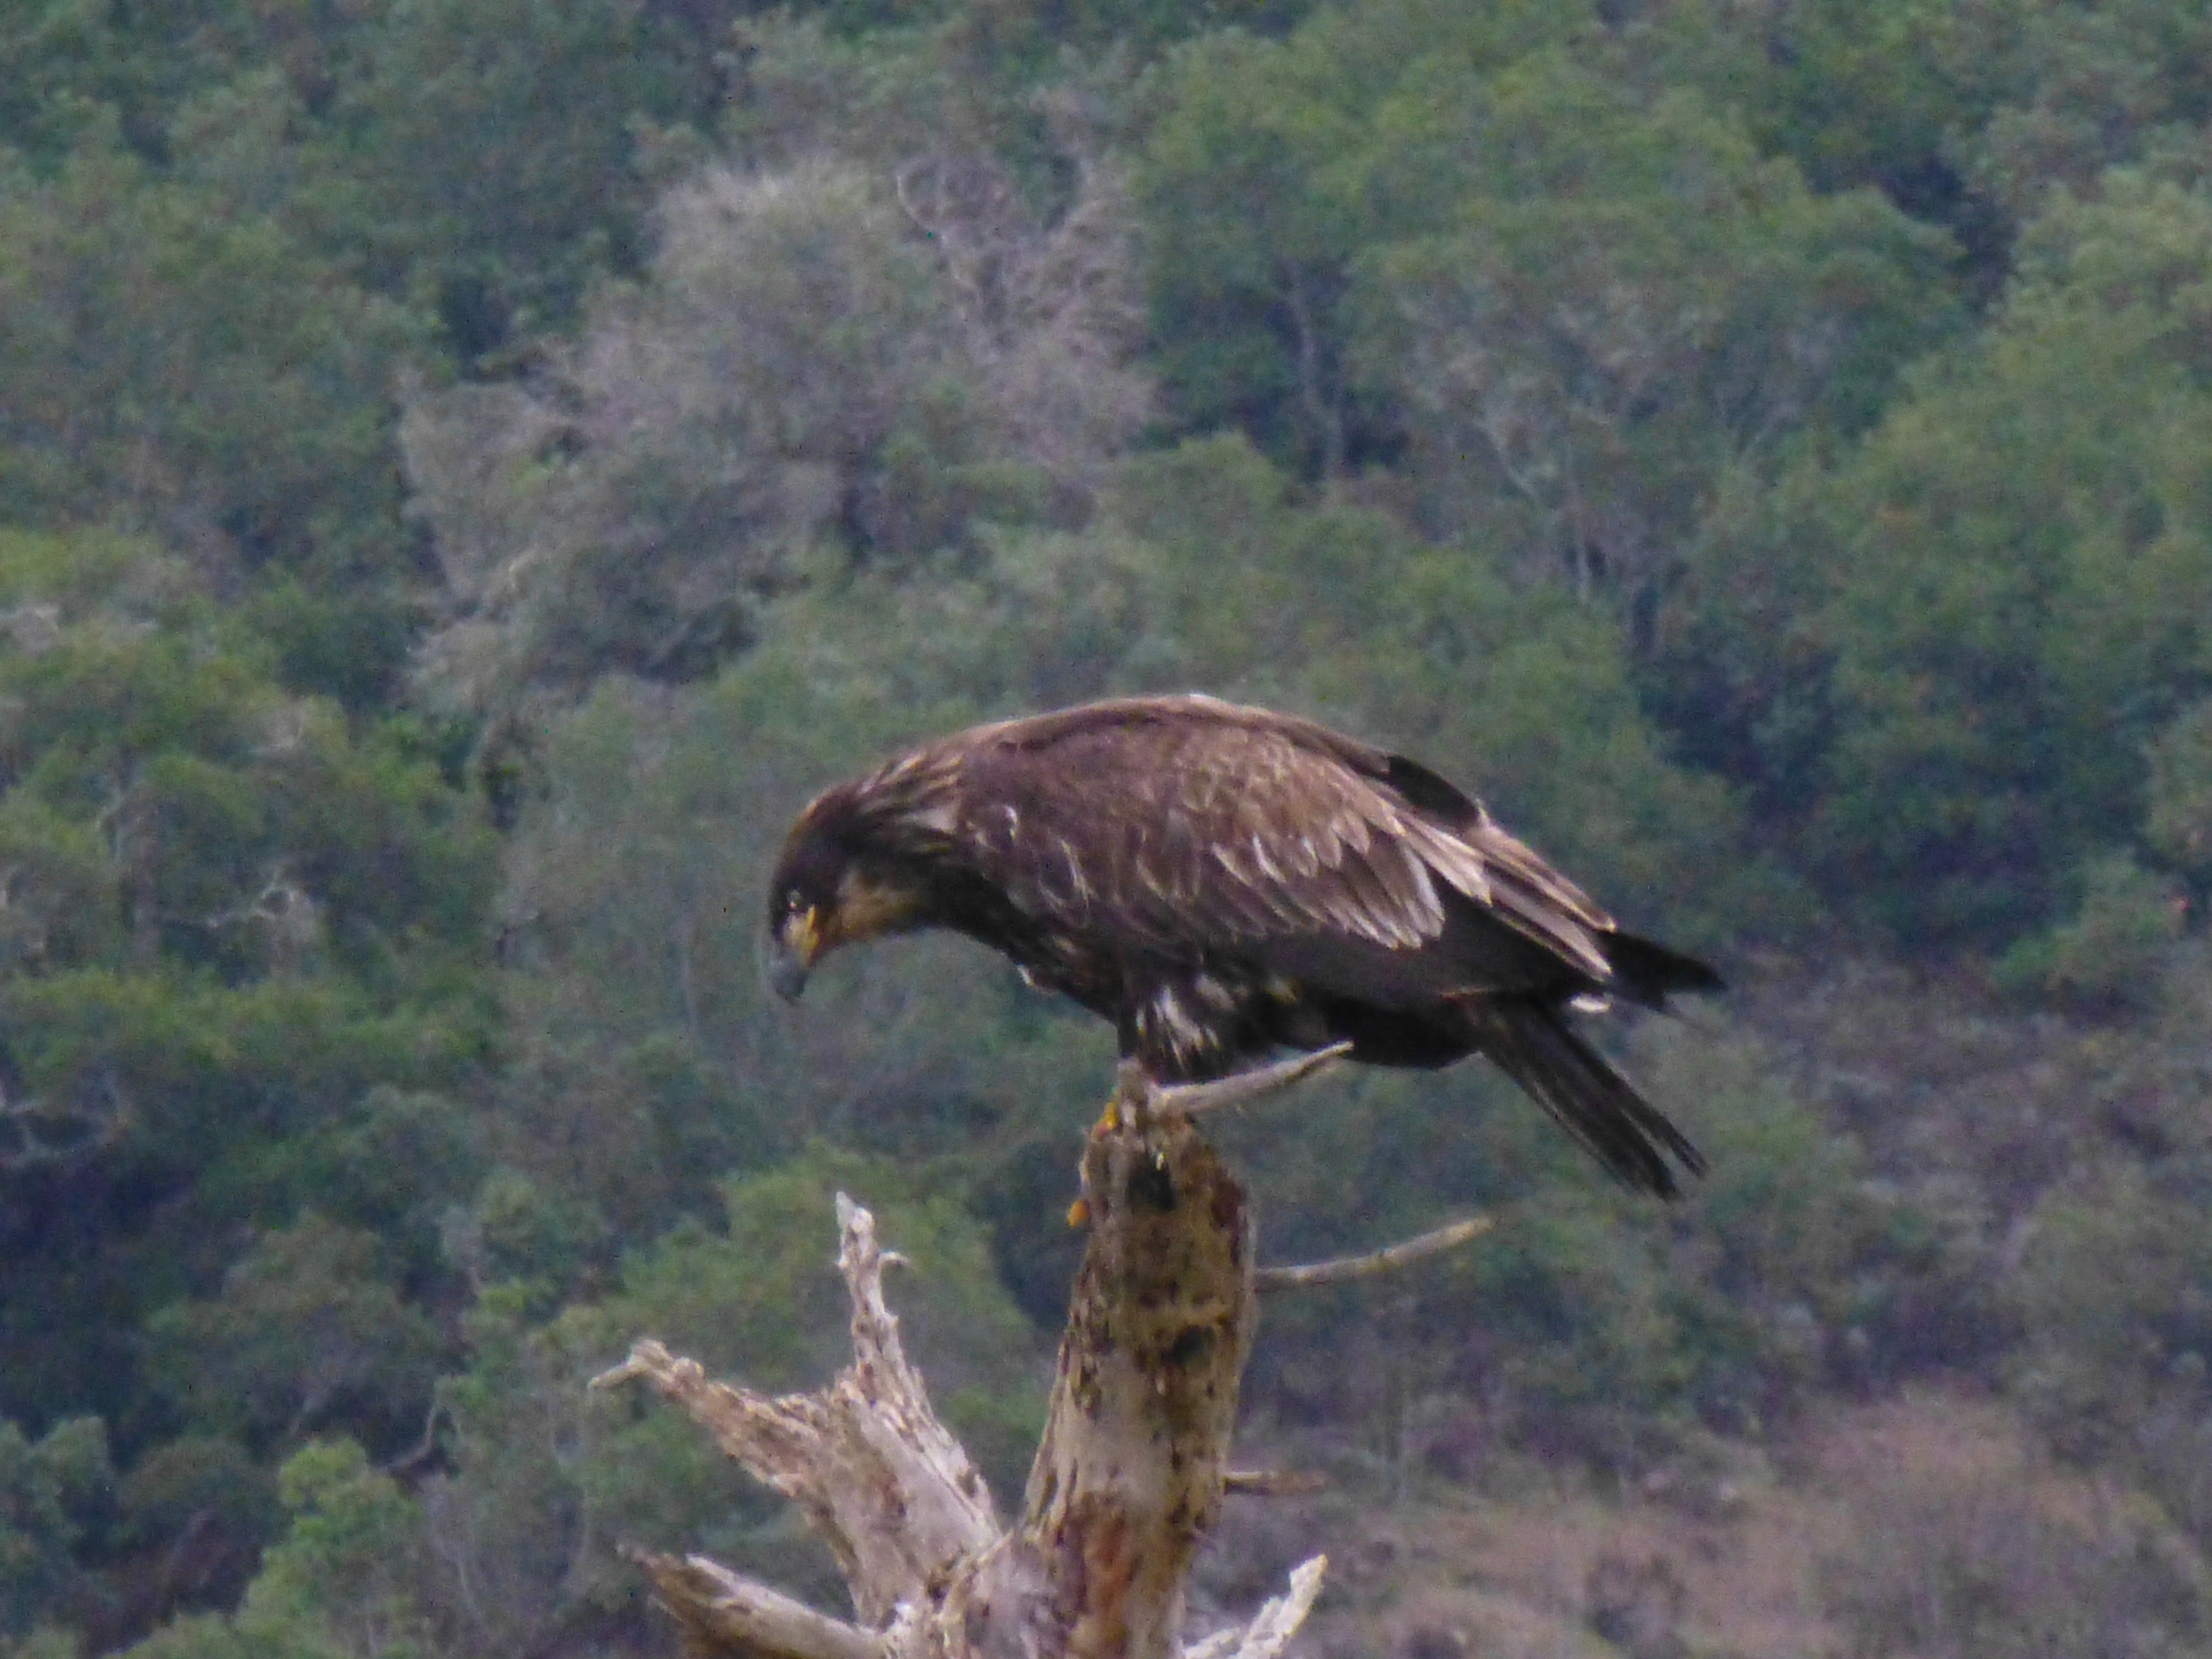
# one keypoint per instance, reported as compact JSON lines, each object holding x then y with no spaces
{"x":1648,"y":972}
{"x":1594,"y":1103}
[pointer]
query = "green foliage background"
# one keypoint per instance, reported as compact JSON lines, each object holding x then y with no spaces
{"x":469,"y":471}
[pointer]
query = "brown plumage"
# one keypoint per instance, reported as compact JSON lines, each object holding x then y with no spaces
{"x":1221,"y":881}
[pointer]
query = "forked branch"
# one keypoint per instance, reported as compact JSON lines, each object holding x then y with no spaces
{"x":876,"y":1474}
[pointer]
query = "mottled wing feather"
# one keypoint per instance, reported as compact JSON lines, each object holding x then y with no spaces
{"x":1497,"y":871}
{"x":1303,"y":844}
{"x":1195,"y":819}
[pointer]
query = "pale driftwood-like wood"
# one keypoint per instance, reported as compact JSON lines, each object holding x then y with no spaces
{"x":879,"y":1477}
{"x":721,"y":1612}
{"x":1337,"y":1268}
{"x":1196,"y":1100}
{"x":1129,"y":1475}
{"x":1271,"y":1629}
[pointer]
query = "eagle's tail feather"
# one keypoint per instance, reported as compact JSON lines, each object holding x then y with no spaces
{"x":1531,"y":1044}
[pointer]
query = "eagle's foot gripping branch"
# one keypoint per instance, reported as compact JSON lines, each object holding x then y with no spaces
{"x":1109,"y":1123}
{"x":1140,"y":1102}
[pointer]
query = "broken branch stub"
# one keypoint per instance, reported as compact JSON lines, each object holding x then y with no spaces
{"x":1127,"y":1479}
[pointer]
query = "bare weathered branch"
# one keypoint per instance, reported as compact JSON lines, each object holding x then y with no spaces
{"x":720,"y":1610}
{"x":1271,"y":1629}
{"x":1272,"y":1483}
{"x":876,"y":1474}
{"x":1403,"y":1255}
{"x":1195,"y":1100}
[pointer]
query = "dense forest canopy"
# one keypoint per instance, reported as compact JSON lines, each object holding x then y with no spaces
{"x":470,"y":468}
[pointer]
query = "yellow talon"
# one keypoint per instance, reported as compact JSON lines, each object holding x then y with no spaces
{"x":1109,"y":1120}
{"x":1079,"y":1213}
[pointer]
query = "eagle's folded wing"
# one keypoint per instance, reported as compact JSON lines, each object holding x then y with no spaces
{"x":1240,"y":831}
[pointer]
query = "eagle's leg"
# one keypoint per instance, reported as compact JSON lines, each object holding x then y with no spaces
{"x":1130,"y":1077}
{"x":1109,"y":1123}
{"x":1130,"y":1083}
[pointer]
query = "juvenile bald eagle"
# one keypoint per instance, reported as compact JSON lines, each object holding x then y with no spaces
{"x":1221,"y":881}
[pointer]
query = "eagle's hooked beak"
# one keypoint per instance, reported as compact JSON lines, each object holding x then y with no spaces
{"x":792,"y":955}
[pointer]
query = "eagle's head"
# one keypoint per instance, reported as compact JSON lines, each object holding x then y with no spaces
{"x":839,"y":880}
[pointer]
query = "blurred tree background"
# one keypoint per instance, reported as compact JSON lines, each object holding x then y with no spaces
{"x":469,"y":469}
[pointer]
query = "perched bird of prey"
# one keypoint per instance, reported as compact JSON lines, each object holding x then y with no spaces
{"x":1222,"y":881}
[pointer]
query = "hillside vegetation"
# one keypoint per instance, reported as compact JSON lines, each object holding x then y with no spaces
{"x":470,"y":468}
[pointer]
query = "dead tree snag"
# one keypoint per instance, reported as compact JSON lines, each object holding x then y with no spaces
{"x":1128,"y":1478}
